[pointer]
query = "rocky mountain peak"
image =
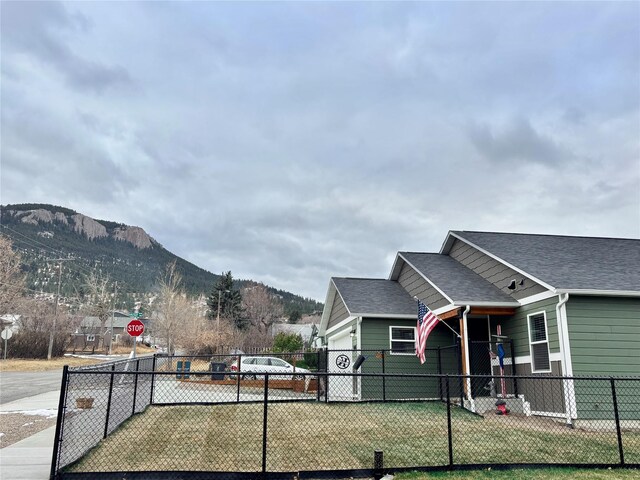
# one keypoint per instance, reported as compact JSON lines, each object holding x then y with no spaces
{"x":134,"y":235}
{"x":88,"y":226}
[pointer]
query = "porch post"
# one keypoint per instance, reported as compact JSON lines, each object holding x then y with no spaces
{"x":466,"y":368}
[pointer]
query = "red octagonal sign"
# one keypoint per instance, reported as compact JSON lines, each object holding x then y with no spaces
{"x":135,"y":328}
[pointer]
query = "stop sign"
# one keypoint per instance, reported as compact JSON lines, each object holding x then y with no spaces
{"x":135,"y":328}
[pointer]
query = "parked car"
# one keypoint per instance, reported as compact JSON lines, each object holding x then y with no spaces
{"x":252,"y":365}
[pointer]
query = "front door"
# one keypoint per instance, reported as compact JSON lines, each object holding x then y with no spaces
{"x":479,"y":355}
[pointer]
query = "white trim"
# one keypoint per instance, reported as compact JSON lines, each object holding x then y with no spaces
{"x":567,"y":364}
{"x":415,"y":336}
{"x":428,"y":281}
{"x":495,"y":257}
{"x":604,"y":293}
{"x":538,"y":342}
{"x":395,"y":316}
{"x":473,"y":303}
{"x":326,"y":311}
{"x":553,"y":357}
{"x":537,"y":298}
{"x":340,"y":325}
{"x":393,"y":273}
{"x":467,"y":360}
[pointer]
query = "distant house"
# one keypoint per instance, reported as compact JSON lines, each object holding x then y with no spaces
{"x":88,"y":334}
{"x":571,"y":306}
{"x":11,"y":321}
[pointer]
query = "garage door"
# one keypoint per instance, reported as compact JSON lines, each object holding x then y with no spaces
{"x":340,"y":360}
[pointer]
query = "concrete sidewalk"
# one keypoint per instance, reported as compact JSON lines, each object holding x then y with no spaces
{"x":30,"y":459}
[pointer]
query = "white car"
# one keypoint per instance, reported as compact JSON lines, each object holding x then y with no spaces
{"x":267,"y":365}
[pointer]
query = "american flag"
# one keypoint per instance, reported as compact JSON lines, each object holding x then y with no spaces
{"x":426,"y":322}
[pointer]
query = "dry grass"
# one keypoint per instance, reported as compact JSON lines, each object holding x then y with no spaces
{"x":526,"y":474}
{"x":38,"y":365}
{"x":304,"y":436}
{"x":141,"y":349}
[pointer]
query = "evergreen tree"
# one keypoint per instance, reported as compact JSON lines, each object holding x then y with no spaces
{"x":295,"y":316}
{"x":230,"y":301}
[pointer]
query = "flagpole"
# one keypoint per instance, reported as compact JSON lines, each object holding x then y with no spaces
{"x":442,"y":322}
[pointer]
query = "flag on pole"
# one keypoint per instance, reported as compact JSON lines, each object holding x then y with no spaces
{"x":426,"y":322}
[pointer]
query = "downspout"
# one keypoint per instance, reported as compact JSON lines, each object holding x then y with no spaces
{"x":465,"y":342}
{"x":567,"y":367}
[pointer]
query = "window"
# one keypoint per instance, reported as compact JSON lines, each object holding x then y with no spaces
{"x":249,"y":361}
{"x":276,"y":362}
{"x":262,"y":361}
{"x":402,"y":340}
{"x":539,"y":342}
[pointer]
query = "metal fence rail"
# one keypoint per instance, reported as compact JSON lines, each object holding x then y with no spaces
{"x":153,"y":423}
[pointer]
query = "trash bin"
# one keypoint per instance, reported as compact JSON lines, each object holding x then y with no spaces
{"x":218,"y":370}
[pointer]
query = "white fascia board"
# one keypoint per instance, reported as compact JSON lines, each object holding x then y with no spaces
{"x":326,"y":312}
{"x":340,"y":325}
{"x":602,"y":293}
{"x":447,"y":244}
{"x":385,"y":315}
{"x":393,"y":275}
{"x":429,"y":281}
{"x":537,"y":297}
{"x":513,"y":267}
{"x":473,"y":303}
{"x":445,"y":309}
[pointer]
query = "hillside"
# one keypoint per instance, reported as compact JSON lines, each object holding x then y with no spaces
{"x":126,"y":253}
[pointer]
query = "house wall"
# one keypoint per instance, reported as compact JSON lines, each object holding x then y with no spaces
{"x":604,"y":334}
{"x":416,"y":285}
{"x":516,"y":326}
{"x":338,"y":311}
{"x":375,"y":335}
{"x":493,"y":271}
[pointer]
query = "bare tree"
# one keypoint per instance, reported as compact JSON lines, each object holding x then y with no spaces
{"x":261,"y":308}
{"x":98,"y":299}
{"x":12,"y":279}
{"x":170,"y":306}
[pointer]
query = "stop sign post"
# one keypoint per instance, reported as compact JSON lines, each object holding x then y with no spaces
{"x":135,"y":328}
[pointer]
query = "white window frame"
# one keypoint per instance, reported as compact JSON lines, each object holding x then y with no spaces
{"x":391,"y":340}
{"x":546,"y":335}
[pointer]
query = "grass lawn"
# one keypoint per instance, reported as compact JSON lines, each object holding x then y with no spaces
{"x":315,"y":436}
{"x":526,"y":474}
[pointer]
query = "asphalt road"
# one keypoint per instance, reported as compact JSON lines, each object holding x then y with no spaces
{"x":17,"y":385}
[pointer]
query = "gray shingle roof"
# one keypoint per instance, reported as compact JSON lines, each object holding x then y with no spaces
{"x":375,"y":296}
{"x":567,"y":262}
{"x":457,"y":281}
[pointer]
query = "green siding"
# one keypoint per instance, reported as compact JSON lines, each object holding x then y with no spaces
{"x":375,"y":335}
{"x":516,"y":327}
{"x":338,"y":311}
{"x":604,"y":333}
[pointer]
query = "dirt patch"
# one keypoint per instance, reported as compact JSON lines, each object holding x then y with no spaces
{"x":18,"y":426}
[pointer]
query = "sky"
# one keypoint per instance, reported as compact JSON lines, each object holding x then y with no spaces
{"x":293,"y":142}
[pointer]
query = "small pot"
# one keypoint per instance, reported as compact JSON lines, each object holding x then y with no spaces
{"x":84,"y":402}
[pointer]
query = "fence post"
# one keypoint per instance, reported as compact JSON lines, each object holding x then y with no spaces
{"x":153,"y":378}
{"x":61,"y":411}
{"x":440,"y":372}
{"x":106,"y":420}
{"x":135,"y":387}
{"x":238,"y":378}
{"x":384,"y":379}
{"x":617,"y":417}
{"x":513,"y":368}
{"x":449,"y":434}
{"x":264,"y":426}
{"x":326,"y":377}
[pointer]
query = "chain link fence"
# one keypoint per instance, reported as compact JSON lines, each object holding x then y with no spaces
{"x":142,"y":419}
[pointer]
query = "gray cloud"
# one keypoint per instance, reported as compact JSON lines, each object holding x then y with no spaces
{"x":289,"y":142}
{"x":518,"y":142}
{"x":38,"y":29}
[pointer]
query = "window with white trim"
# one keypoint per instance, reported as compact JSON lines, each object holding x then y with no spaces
{"x":402,"y":340}
{"x":539,"y":342}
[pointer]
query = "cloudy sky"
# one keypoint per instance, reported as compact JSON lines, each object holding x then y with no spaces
{"x":291,"y":142}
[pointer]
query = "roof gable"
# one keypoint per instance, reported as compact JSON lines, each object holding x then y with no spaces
{"x":372,"y":296}
{"x":563,"y":262}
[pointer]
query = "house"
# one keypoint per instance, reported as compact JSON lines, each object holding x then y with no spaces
{"x":569,"y":306}
{"x":89,"y":335}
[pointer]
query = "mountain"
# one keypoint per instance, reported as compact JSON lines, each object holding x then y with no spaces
{"x":126,"y":253}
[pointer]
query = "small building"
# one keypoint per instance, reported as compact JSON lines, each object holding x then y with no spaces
{"x":569,"y":306}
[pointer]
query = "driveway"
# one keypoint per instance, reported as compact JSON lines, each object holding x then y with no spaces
{"x":17,"y":385}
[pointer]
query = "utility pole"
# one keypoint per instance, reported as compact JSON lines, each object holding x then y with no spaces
{"x":113,"y":312}
{"x":55,"y":318}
